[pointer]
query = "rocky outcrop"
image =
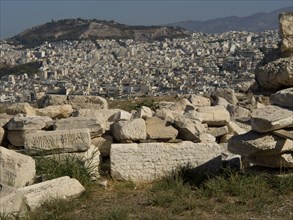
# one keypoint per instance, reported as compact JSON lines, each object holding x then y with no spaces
{"x":286,"y":31}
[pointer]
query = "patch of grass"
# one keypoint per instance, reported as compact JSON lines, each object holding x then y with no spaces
{"x":9,"y":216}
{"x":124,"y":185}
{"x":117,"y":212}
{"x":57,"y":166}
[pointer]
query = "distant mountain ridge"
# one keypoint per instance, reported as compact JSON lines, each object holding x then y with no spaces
{"x":257,"y":22}
{"x":76,"y":29}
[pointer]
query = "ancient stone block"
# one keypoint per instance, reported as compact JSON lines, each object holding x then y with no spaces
{"x":149,"y":161}
{"x":48,"y":142}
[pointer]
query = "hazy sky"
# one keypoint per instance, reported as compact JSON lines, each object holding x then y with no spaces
{"x":18,"y":15}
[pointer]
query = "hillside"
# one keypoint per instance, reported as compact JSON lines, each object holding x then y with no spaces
{"x":254,"y":23}
{"x":75,"y":29}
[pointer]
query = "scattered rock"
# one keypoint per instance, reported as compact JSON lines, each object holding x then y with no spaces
{"x":237,"y":112}
{"x":60,"y":188}
{"x":286,"y":32}
{"x":87,"y":102}
{"x":227,"y":94}
{"x":52,"y":100}
{"x":218,"y":131}
{"x":103,"y":144}
{"x":271,"y":118}
{"x":17,"y":170}
{"x":55,"y":111}
{"x":20,"y":108}
{"x":144,"y":112}
{"x":133,"y":130}
{"x":283,"y":98}
{"x":214,"y":115}
{"x":158,"y":129}
{"x":20,"y":123}
{"x":11,"y":201}
{"x":198,"y":100}
{"x":120,"y":116}
{"x":252,"y":142}
{"x":276,"y":75}
{"x":188,"y":129}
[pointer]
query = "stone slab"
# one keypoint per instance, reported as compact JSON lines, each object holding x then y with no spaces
{"x":63,"y":141}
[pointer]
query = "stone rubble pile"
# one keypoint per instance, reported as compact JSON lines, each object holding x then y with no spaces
{"x":270,"y":143}
{"x":199,"y":132}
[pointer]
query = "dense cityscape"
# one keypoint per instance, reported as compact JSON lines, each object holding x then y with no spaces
{"x":121,"y":68}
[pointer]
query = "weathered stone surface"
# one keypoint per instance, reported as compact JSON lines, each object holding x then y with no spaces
{"x":198,"y":100}
{"x":193,"y":115}
{"x":286,"y":31}
{"x":188,"y":129}
{"x":87,"y":102}
{"x":275,"y":75}
{"x":227,"y":94}
{"x":4,"y":119}
{"x":218,"y":131}
{"x":149,"y":161}
{"x":182,"y":106}
{"x":11,"y":201}
{"x":16,"y":138}
{"x":129,"y":130}
{"x":214,"y":115}
{"x":96,"y":126}
{"x":103,"y":144}
{"x":2,"y":133}
{"x":52,"y":100}
{"x":283,"y":98}
{"x":220,"y":101}
{"x":144,"y":112}
{"x":19,"y":123}
{"x":121,"y":116}
{"x":275,"y":161}
{"x":165,"y":114}
{"x":17,"y":170}
{"x":234,"y":128}
{"x":157,"y":128}
{"x":271,"y":118}
{"x":48,"y":142}
{"x":20,"y":108}
{"x":98,"y":113}
{"x":252,"y":142}
{"x":61,"y":188}
{"x":237,"y":112}
{"x":207,"y":138}
{"x":55,"y":111}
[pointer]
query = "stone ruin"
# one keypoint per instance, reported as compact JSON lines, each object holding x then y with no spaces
{"x":201,"y":132}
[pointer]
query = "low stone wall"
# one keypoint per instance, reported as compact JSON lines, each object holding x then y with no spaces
{"x":149,"y":161}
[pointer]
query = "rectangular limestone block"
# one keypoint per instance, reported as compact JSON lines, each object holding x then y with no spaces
{"x":149,"y":161}
{"x":62,"y":141}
